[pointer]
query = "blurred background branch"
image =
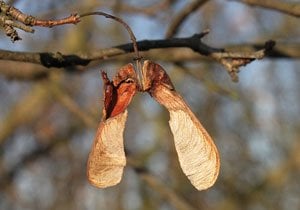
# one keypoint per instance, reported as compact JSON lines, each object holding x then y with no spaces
{"x":182,"y":15}
{"x":290,"y":8}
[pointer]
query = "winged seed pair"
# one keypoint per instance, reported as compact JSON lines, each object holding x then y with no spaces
{"x":197,"y":153}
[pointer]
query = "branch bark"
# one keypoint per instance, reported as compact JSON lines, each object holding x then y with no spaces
{"x":194,"y":42}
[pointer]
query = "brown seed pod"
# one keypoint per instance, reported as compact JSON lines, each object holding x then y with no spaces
{"x":197,"y":153}
{"x":107,"y":157}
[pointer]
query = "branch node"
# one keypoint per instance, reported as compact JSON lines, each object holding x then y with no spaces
{"x":29,"y":20}
{"x":12,"y":33}
{"x":233,"y":61}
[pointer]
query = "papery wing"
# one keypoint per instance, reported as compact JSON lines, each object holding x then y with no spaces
{"x":107,"y":160}
{"x":107,"y":157}
{"x":197,"y":153}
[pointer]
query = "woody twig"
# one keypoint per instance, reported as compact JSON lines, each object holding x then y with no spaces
{"x":12,"y":18}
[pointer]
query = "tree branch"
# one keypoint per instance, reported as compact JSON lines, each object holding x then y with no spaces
{"x":11,"y":18}
{"x":182,"y":15}
{"x":290,"y":8}
{"x":194,"y":42}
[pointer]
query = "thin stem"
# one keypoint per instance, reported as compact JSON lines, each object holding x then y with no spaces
{"x":131,"y":34}
{"x":132,"y":37}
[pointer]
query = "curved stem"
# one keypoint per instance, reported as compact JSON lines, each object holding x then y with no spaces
{"x":131,"y":34}
{"x":132,"y":37}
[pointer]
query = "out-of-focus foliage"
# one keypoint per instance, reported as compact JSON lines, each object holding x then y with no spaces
{"x":47,"y":126}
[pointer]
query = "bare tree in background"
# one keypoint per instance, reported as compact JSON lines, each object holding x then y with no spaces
{"x":50,"y":91}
